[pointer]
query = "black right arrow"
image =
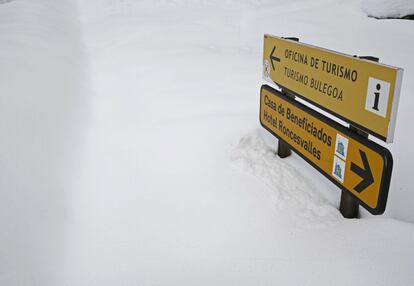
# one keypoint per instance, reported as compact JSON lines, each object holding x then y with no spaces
{"x":273,"y":58}
{"x":365,"y":173}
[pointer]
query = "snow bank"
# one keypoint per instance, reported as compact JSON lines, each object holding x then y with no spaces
{"x":42,"y":113}
{"x":388,"y":8}
{"x":291,"y":191}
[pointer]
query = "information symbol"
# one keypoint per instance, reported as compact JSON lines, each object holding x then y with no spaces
{"x":378,"y":93}
{"x":376,"y":100}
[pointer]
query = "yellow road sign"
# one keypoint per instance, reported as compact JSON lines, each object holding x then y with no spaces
{"x":362,"y":92}
{"x":353,"y":163}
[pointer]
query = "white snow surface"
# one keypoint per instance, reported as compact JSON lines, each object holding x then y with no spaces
{"x":388,"y":8}
{"x":131,"y":150}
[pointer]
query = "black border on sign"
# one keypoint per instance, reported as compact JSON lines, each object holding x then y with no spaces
{"x":369,"y":131}
{"x":382,"y":151}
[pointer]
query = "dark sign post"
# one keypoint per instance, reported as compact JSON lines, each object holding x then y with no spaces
{"x":283,"y":149}
{"x":348,"y":206}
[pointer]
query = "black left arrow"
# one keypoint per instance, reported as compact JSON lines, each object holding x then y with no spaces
{"x":273,"y":57}
{"x":365,"y":174}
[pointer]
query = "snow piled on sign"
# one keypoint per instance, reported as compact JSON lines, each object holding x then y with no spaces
{"x":388,"y":8}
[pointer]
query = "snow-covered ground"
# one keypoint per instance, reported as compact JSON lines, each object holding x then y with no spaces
{"x":383,"y":9}
{"x":43,"y":109}
{"x":131,"y":151}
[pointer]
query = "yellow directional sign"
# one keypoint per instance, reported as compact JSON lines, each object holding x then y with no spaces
{"x":362,"y":92}
{"x":353,"y":163}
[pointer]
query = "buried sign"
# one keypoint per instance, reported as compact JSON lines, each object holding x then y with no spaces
{"x":353,"y":163}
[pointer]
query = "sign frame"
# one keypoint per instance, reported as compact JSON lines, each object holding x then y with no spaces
{"x":389,"y":136}
{"x":382,"y":151}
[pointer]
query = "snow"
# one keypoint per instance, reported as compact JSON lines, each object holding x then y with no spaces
{"x":388,"y":9}
{"x":293,"y":193}
{"x":132,"y":152}
{"x":43,"y":107}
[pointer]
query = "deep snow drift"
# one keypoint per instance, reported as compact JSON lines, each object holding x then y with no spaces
{"x":388,"y":9}
{"x":132,"y":152}
{"x":43,"y":109}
